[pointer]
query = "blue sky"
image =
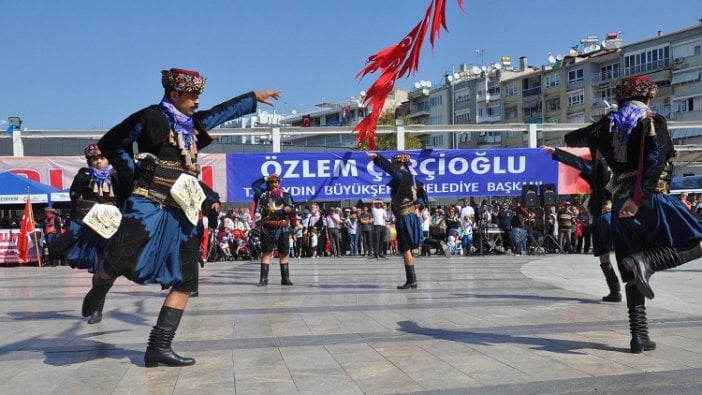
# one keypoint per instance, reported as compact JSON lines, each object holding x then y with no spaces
{"x":83,"y":65}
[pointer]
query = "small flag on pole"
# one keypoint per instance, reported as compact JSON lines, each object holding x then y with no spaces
{"x":26,"y":229}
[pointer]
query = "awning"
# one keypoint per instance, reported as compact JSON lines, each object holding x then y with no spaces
{"x":686,"y":76}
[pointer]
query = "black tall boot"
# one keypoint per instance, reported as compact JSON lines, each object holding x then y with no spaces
{"x":159,"y":349}
{"x":285,"y":275}
{"x":645,"y":263}
{"x":636,"y":303}
{"x":613,"y":283}
{"x":97,"y":293}
{"x":97,"y":315}
{"x":411,"y":278}
{"x":263,"y":281}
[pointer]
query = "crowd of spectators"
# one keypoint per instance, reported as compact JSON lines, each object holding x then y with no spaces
{"x":464,"y":228}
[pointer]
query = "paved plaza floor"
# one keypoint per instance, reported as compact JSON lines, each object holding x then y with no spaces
{"x":476,"y":325}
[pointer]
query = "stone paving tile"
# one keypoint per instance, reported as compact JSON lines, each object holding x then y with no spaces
{"x":493,"y":324}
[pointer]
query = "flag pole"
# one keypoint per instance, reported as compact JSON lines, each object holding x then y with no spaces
{"x":36,"y":240}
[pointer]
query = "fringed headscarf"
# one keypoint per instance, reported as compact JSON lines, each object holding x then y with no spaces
{"x":101,"y":181}
{"x":622,"y":123}
{"x":183,"y":126}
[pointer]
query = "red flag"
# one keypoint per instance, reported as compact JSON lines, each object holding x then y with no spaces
{"x":26,"y":229}
{"x":397,"y":61}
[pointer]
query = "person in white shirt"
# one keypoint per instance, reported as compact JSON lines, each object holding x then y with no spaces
{"x":352,"y":228}
{"x":380,"y":226}
{"x":467,"y":210}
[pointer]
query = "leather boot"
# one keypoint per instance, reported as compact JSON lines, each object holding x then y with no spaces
{"x":95,"y":295}
{"x":411,"y":278}
{"x":285,"y":275}
{"x":613,"y":283}
{"x":644,"y":264}
{"x":159,"y":349}
{"x":97,"y":315}
{"x":263,"y":281}
{"x":638,"y":324}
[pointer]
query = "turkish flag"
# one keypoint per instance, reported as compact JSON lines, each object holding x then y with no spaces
{"x":306,"y":120}
{"x":26,"y":229}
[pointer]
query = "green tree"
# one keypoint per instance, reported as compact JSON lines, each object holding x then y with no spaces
{"x":387,"y":142}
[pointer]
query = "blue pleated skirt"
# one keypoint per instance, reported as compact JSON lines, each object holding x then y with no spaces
{"x":87,"y":245}
{"x":409,"y":231}
{"x":148,"y":246}
{"x":664,"y":222}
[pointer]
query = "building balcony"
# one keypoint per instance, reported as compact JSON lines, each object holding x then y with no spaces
{"x":419,"y":114}
{"x":488,"y":118}
{"x":647,"y":67}
{"x":531,"y":91}
{"x":683,"y":116}
{"x":489,"y":97}
{"x":604,"y":76}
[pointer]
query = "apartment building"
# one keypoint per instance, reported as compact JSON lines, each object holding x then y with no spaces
{"x":573,"y":88}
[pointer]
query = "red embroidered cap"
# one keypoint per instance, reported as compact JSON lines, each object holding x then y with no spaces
{"x":181,"y":80}
{"x":633,"y":87}
{"x":92,"y":151}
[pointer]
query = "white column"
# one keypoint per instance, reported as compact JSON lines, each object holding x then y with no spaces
{"x":400,"y":125}
{"x":275,"y":139}
{"x":17,"y":146}
{"x":533,"y":135}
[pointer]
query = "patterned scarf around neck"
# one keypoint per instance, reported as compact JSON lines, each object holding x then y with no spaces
{"x":181,"y":123}
{"x":622,"y":123}
{"x":101,"y":180}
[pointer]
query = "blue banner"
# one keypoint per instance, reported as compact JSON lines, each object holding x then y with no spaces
{"x":351,"y":175}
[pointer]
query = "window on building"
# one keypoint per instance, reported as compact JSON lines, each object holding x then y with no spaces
{"x":647,"y":60}
{"x":609,"y":72}
{"x":462,"y":97}
{"x":436,"y":101}
{"x":576,"y":76}
{"x":690,"y":48}
{"x":607,"y":94}
{"x":436,"y":120}
{"x":689,"y":104}
{"x":576,"y":98}
{"x":437,"y":141}
{"x":553,"y":80}
{"x":463,"y":117}
{"x":553,"y":104}
{"x":511,"y":89}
